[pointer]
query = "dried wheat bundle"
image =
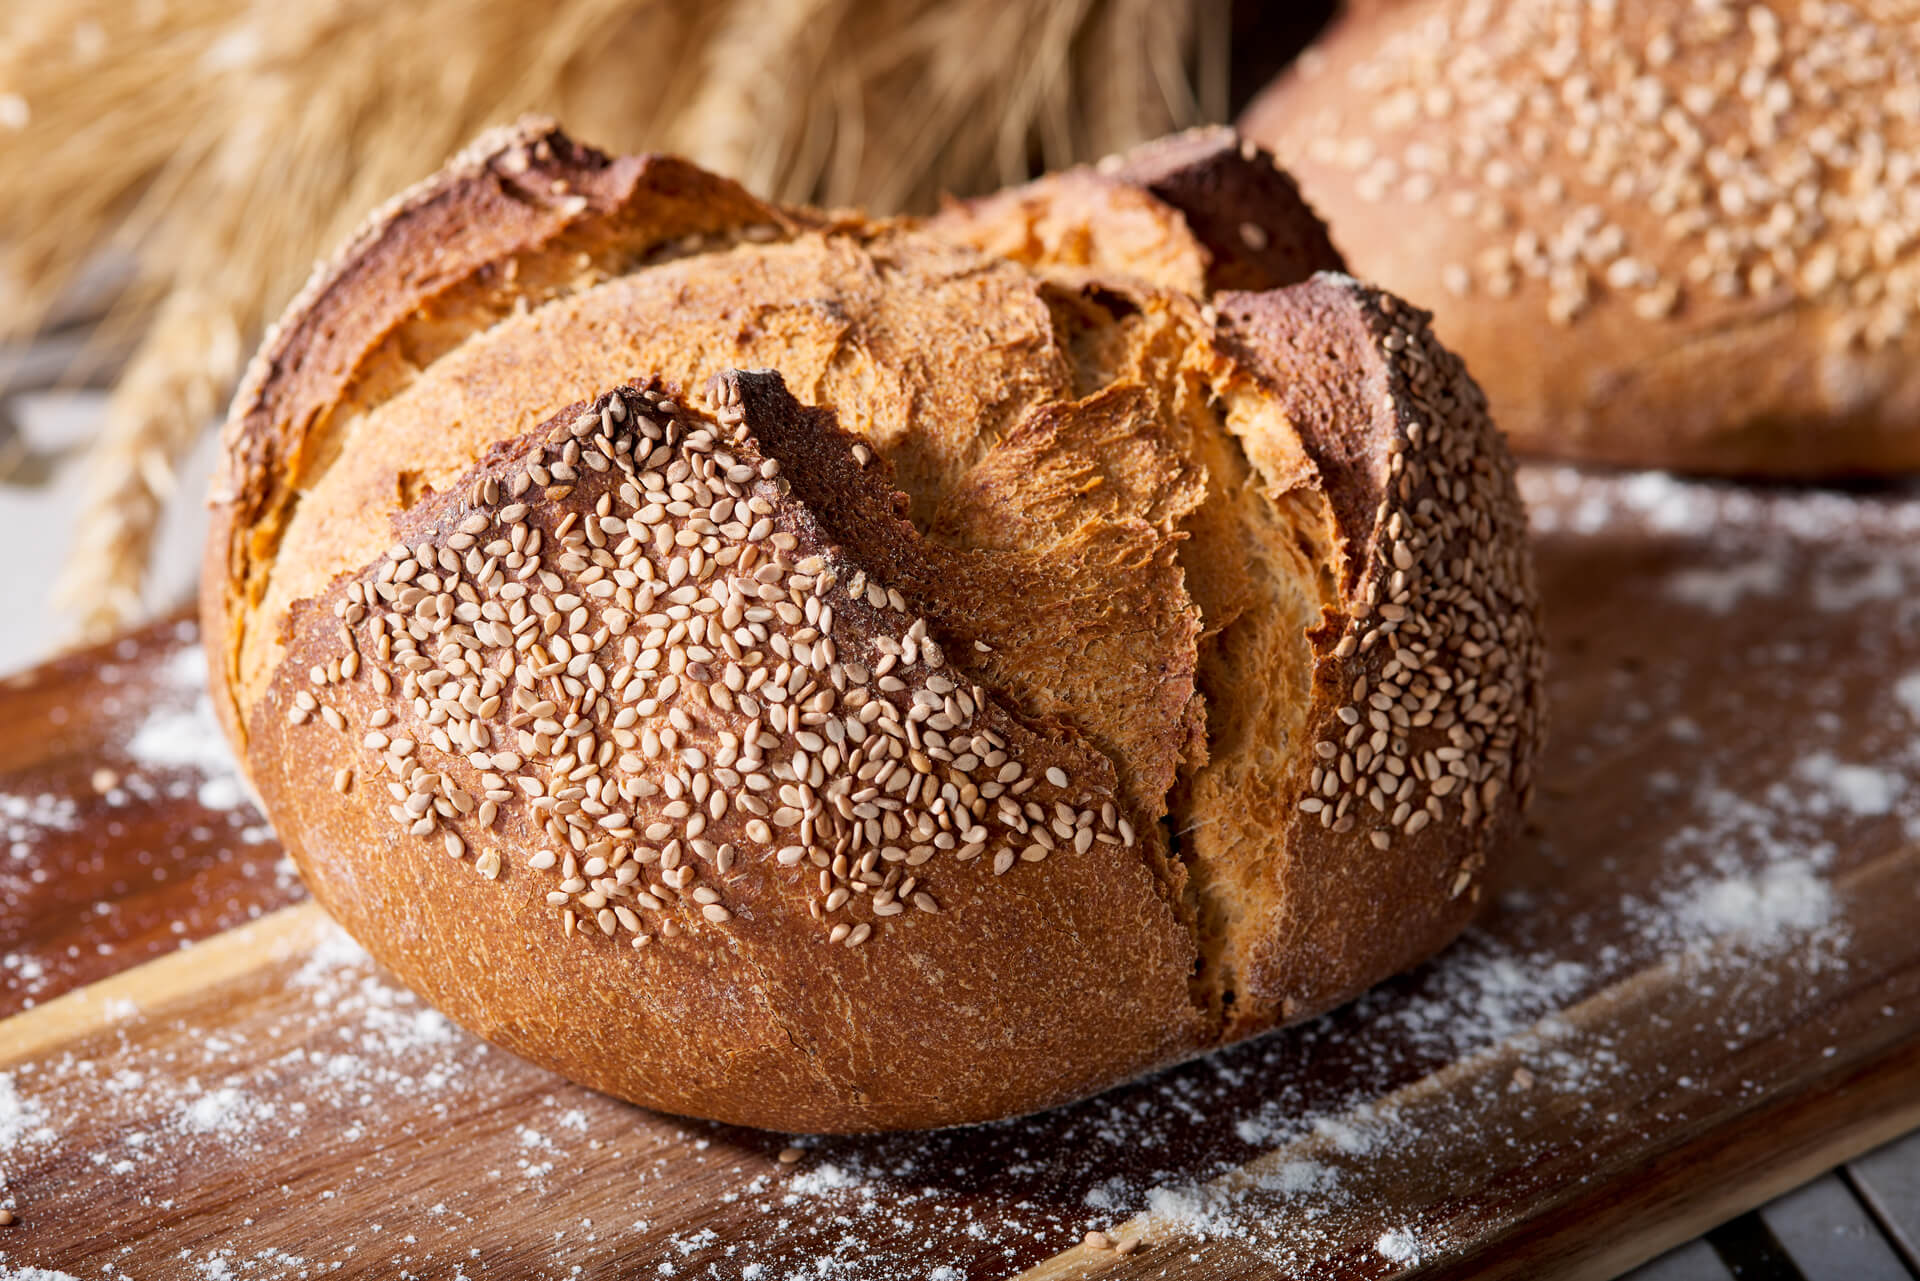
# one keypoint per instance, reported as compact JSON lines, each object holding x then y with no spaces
{"x":223,"y":144}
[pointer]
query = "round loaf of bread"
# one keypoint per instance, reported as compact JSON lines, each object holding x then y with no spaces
{"x":1673,"y":235}
{"x":833,"y":675}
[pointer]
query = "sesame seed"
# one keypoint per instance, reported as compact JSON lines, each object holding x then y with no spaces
{"x":1740,"y":186}
{"x":693,"y":688}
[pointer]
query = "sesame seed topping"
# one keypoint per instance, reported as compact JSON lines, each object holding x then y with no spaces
{"x":1696,"y":155}
{"x":623,"y":640}
{"x":1443,"y":705}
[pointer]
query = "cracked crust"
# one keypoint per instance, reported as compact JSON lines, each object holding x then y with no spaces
{"x":1145,"y":529}
{"x":1199,"y":211}
{"x":1426,"y":516}
{"x":995,"y":967}
{"x":522,"y":216}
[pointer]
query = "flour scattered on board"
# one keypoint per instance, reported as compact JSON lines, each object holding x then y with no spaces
{"x":825,"y":1177}
{"x":1854,"y":586}
{"x":172,"y":750}
{"x":227,"y":1111}
{"x":182,"y":740}
{"x":1287,"y":1145}
{"x":172,"y":737}
{"x":1720,"y":590}
{"x":10,"y":1273}
{"x":1864,"y":790}
{"x":23,"y":819}
{"x":23,"y":1122}
{"x":1766,"y":907}
{"x":1399,"y":1245}
{"x":360,"y":1046}
{"x":176,"y":737}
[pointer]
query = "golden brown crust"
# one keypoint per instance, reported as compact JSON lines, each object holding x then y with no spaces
{"x":1427,"y":684}
{"x":1259,"y":232}
{"x":524,"y":213}
{"x":762,"y":1016}
{"x":1200,"y":211}
{"x":1670,"y":241}
{"x":1106,"y":617}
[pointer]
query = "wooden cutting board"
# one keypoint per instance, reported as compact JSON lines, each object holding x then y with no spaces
{"x":1698,"y":984}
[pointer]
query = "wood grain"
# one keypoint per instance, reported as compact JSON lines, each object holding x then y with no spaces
{"x":180,"y":979}
{"x":1624,"y":1052}
{"x":102,"y":879}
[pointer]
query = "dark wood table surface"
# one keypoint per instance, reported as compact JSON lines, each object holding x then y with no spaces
{"x":1697,"y":988}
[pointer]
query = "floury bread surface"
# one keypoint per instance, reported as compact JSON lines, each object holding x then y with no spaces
{"x":829,"y":674}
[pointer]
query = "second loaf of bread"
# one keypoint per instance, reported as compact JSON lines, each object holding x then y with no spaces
{"x":1666,"y":235}
{"x":839,"y":675}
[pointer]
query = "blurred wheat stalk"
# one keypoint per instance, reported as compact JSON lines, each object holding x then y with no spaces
{"x":224,"y":144}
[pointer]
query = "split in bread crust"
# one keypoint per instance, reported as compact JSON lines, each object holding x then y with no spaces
{"x":1039,"y":674}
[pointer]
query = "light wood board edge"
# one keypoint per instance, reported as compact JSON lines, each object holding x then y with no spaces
{"x":1693,"y":1214}
{"x":286,"y":935}
{"x":150,"y":988}
{"x":1653,"y":1236}
{"x":1736,"y":1197}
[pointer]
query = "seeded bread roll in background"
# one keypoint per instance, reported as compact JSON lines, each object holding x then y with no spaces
{"x":816,"y":674}
{"x":1673,"y":235}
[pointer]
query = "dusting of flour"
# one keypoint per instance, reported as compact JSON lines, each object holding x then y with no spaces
{"x":183,"y":735}
{"x":1400,"y":1246}
{"x":1726,"y":869}
{"x":1789,"y":898}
